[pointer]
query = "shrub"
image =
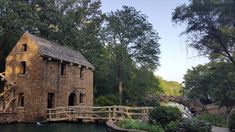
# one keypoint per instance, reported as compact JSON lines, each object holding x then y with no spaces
{"x":139,"y":125}
{"x":107,"y":100}
{"x":193,"y":125}
{"x":213,"y":119}
{"x":231,"y":122}
{"x":149,"y":101}
{"x":188,"y":125}
{"x":172,"y":126}
{"x":164,"y":115}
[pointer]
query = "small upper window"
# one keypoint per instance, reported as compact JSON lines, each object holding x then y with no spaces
{"x":24,"y":47}
{"x":62,"y":69}
{"x":82,"y":72}
{"x":23,"y":67}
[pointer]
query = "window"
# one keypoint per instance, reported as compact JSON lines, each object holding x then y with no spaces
{"x":82,"y":72}
{"x":23,"y":67}
{"x":24,"y":47}
{"x":81,"y":98}
{"x":21,"y":100}
{"x":62,"y":69}
{"x":51,"y":100}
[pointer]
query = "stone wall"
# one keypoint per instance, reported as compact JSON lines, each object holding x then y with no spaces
{"x":7,"y":118}
{"x":64,"y":85}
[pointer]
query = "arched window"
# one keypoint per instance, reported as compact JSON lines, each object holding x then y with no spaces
{"x":72,"y":99}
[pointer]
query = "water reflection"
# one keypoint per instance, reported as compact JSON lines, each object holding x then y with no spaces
{"x":53,"y":127}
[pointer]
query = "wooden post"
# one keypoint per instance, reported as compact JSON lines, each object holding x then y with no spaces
{"x":114,"y":113}
{"x":109,"y":114}
{"x":49,"y":114}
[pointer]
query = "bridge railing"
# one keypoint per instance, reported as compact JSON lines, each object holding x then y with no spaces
{"x":97,"y":112}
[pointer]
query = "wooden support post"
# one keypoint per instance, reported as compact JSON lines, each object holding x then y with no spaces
{"x":109,"y":118}
{"x":114,"y":113}
{"x":49,"y":114}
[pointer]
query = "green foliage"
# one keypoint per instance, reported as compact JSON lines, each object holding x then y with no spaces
{"x":132,"y":43}
{"x":142,"y":87}
{"x":172,"y":126}
{"x":170,"y":88}
{"x":231,"y":122}
{"x":108,"y":100}
{"x":164,"y":115}
{"x":215,"y":80}
{"x":152,"y":101}
{"x":188,"y":125}
{"x":191,"y":125}
{"x":210,"y":26}
{"x":139,"y":125}
{"x":213,"y":119}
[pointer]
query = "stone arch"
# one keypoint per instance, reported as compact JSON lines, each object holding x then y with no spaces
{"x":72,"y":99}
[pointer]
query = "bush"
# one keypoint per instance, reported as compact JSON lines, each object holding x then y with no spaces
{"x":107,"y":100}
{"x":193,"y":125}
{"x":149,"y":101}
{"x":139,"y":125}
{"x":215,"y":120}
{"x":188,"y":125}
{"x":164,"y":115}
{"x":172,"y":126}
{"x":231,"y":122}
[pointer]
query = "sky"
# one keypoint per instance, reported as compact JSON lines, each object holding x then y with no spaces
{"x":175,"y":57}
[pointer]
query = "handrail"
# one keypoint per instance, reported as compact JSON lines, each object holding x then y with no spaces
{"x":96,"y":112}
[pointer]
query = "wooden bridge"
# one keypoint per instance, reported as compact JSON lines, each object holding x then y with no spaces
{"x":92,"y":113}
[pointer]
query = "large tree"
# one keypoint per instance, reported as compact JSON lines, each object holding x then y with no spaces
{"x":210,"y":26}
{"x":131,"y":40}
{"x":214,"y":81}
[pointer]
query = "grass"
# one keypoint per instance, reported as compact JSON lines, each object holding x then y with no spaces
{"x":139,"y":125}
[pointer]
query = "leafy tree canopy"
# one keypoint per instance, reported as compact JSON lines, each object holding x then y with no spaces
{"x":214,"y":81}
{"x":170,"y":88}
{"x":210,"y":26}
{"x":132,"y":43}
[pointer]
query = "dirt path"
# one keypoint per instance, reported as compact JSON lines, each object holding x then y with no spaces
{"x":219,"y":129}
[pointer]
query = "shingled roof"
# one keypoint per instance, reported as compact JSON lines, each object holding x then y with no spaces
{"x":59,"y":52}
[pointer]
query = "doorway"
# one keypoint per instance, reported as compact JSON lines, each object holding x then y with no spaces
{"x":72,"y":99}
{"x":51,"y":100}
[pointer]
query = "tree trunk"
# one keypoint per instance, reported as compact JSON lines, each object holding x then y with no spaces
{"x":120,"y":91}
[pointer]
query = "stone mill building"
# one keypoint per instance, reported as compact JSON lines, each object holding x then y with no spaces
{"x":47,"y":75}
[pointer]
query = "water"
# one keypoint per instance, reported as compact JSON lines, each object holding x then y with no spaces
{"x":184,"y":110}
{"x":53,"y":127}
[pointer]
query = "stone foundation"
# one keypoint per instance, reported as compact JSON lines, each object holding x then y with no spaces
{"x":7,"y":117}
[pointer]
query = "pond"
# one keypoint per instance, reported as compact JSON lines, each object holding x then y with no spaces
{"x":53,"y":127}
